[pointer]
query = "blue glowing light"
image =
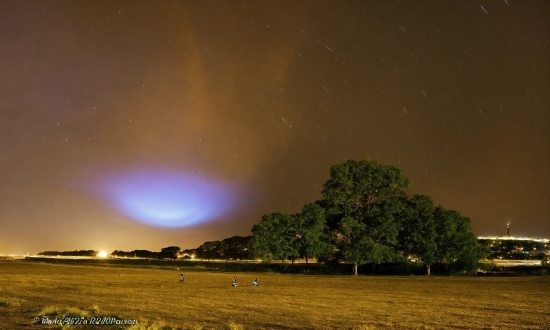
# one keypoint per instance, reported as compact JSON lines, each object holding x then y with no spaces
{"x":166,"y":198}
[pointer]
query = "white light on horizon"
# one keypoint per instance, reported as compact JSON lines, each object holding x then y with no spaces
{"x":102,"y":254}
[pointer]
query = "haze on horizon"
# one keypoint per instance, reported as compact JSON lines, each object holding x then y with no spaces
{"x":134,"y":125}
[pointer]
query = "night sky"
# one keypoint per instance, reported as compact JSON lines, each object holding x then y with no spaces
{"x":139,"y":125}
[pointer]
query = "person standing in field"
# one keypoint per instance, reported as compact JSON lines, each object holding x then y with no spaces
{"x":234,"y":281}
{"x":255,"y":282}
{"x":182,"y":278}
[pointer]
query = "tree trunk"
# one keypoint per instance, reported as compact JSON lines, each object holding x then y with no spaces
{"x":354,"y":269}
{"x":293,"y":261}
{"x":306,"y":259}
{"x":428,"y":270}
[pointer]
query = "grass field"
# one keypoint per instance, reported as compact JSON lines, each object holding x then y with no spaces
{"x":206,"y":300}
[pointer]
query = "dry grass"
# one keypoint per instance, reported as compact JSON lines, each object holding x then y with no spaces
{"x":9,"y":302}
{"x":207,"y":301}
{"x":62,"y":312}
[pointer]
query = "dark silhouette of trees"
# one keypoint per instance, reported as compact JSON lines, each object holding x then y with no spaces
{"x":135,"y":254}
{"x":210,"y":250}
{"x":236,"y":248}
{"x":75,"y":253}
{"x":233,"y":248}
{"x":170,"y":252}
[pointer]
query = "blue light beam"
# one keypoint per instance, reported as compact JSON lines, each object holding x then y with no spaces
{"x":167,"y":199}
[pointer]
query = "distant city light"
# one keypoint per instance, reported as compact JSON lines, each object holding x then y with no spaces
{"x":510,"y":238}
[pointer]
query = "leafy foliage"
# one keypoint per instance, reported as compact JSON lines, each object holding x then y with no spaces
{"x":363,"y":203}
{"x":454,"y":239}
{"x":366,"y":217}
{"x":418,"y":234}
{"x":170,"y":252}
{"x":210,"y":250}
{"x":274,"y":237}
{"x":234,"y":248}
{"x":310,"y":232}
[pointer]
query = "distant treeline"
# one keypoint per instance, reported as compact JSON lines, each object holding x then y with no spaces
{"x":135,"y":254}
{"x":75,"y":253}
{"x":233,"y":248}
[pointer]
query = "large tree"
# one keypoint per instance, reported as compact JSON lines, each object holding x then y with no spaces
{"x":274,"y":237}
{"x":363,"y":202}
{"x":418,"y":230}
{"x":210,"y":250}
{"x":455,"y":241}
{"x":236,"y":247}
{"x":170,"y":252}
{"x":310,"y":231}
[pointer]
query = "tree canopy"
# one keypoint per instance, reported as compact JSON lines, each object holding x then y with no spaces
{"x":366,"y":217}
{"x":275,"y":237}
{"x":363,"y":201}
{"x":310,"y":229}
{"x":170,"y":252}
{"x":454,"y":239}
{"x":418,"y":230}
{"x":232,"y":248}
